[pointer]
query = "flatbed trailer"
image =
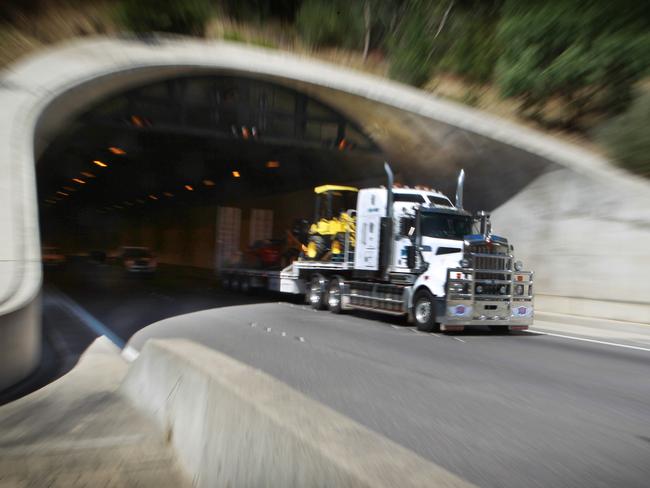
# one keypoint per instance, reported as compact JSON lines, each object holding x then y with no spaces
{"x":415,"y":254}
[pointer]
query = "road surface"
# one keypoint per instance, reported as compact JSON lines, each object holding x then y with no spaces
{"x":520,"y":410}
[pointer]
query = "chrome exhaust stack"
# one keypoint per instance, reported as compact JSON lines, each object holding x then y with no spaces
{"x":459,"y":189}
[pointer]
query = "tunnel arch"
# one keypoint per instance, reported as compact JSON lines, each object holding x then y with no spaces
{"x":43,"y":93}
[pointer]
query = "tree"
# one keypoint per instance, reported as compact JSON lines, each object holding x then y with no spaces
{"x":572,"y":62}
{"x":176,"y":16}
{"x":627,"y":136}
{"x":331,"y":23}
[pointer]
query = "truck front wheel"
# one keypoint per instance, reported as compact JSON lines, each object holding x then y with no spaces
{"x":424,"y":312}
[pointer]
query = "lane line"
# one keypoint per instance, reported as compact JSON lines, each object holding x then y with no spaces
{"x":130,"y":353}
{"x":464,"y":342}
{"x":434,"y":334}
{"x":584,"y":339}
{"x":86,"y":317}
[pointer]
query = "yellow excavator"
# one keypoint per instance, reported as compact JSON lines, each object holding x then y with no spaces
{"x":334,"y":219}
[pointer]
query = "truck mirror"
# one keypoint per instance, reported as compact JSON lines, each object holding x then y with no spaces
{"x":410,"y":257}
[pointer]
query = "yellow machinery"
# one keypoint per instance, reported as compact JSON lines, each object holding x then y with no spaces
{"x":332,"y":222}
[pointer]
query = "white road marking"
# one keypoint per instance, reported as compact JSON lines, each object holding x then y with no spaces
{"x":413,"y":329}
{"x":130,"y":353}
{"x":301,"y":339}
{"x":459,"y":339}
{"x":284,"y":334}
{"x":268,"y":329}
{"x":395,"y":327}
{"x":584,"y":339}
{"x":85,"y":317}
{"x":253,"y":324}
{"x":434,"y":334}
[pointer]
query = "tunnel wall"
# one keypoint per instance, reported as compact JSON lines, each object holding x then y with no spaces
{"x":44,"y":92}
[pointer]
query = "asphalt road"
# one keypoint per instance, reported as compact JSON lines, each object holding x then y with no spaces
{"x":519,"y":410}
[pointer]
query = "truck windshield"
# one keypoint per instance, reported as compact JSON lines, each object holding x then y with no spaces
{"x":445,"y":226}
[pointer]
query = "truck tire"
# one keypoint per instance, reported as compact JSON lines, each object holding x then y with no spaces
{"x":424,"y":312}
{"x":318,"y":292}
{"x":335,"y":295}
{"x":316,"y":248}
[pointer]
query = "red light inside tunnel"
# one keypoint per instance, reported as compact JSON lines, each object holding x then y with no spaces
{"x":87,"y":174}
{"x":273,"y":164}
{"x":153,"y":197}
{"x":100,"y":163}
{"x":168,"y":195}
{"x":117,"y":150}
{"x":208,"y":182}
{"x":79,"y":180}
{"x":62,"y":193}
{"x":236,"y":174}
{"x":189,"y":187}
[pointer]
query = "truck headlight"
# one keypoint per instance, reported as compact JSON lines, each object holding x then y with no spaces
{"x":464,"y":263}
{"x":519,"y":265}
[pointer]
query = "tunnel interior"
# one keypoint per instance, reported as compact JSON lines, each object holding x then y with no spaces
{"x":151,"y":166}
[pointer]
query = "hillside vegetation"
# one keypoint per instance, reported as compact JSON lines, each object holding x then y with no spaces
{"x":576,"y":67}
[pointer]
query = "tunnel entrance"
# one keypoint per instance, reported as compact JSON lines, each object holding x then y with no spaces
{"x":153,"y":165}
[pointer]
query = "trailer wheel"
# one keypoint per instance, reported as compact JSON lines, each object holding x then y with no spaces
{"x":317,"y":292}
{"x":424,"y":312}
{"x":335,"y":295}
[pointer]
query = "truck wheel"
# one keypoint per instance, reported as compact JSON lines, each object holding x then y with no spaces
{"x":424,"y":312}
{"x":316,"y":247}
{"x":317,"y":292}
{"x":335,"y":295}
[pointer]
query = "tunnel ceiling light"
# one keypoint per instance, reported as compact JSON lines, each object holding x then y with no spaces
{"x":87,"y":174}
{"x":168,"y":194}
{"x":153,"y":197}
{"x":189,"y":187}
{"x":137,"y":120}
{"x":126,"y":202}
{"x":119,"y":207}
{"x":100,"y":163}
{"x":116,"y":150}
{"x":62,"y":193}
{"x":208,"y":183}
{"x":69,"y":188}
{"x":50,"y":201}
{"x":139,"y":200}
{"x":79,"y":180}
{"x":342,"y":144}
{"x":236,"y":174}
{"x":273,"y":164}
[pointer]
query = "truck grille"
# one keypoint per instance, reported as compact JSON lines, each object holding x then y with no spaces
{"x":492,"y":270}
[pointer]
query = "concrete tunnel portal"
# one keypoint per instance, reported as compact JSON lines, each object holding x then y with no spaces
{"x":150,"y":164}
{"x":188,"y":113}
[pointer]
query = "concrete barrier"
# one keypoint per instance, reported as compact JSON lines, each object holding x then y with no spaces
{"x":233,"y":425}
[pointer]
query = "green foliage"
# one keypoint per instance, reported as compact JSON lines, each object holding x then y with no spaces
{"x":176,"y":16}
{"x":331,"y":23}
{"x":410,"y":47}
{"x":572,"y":62}
{"x":627,"y":136}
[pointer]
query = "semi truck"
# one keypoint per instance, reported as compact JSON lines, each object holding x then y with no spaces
{"x":412,"y":253}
